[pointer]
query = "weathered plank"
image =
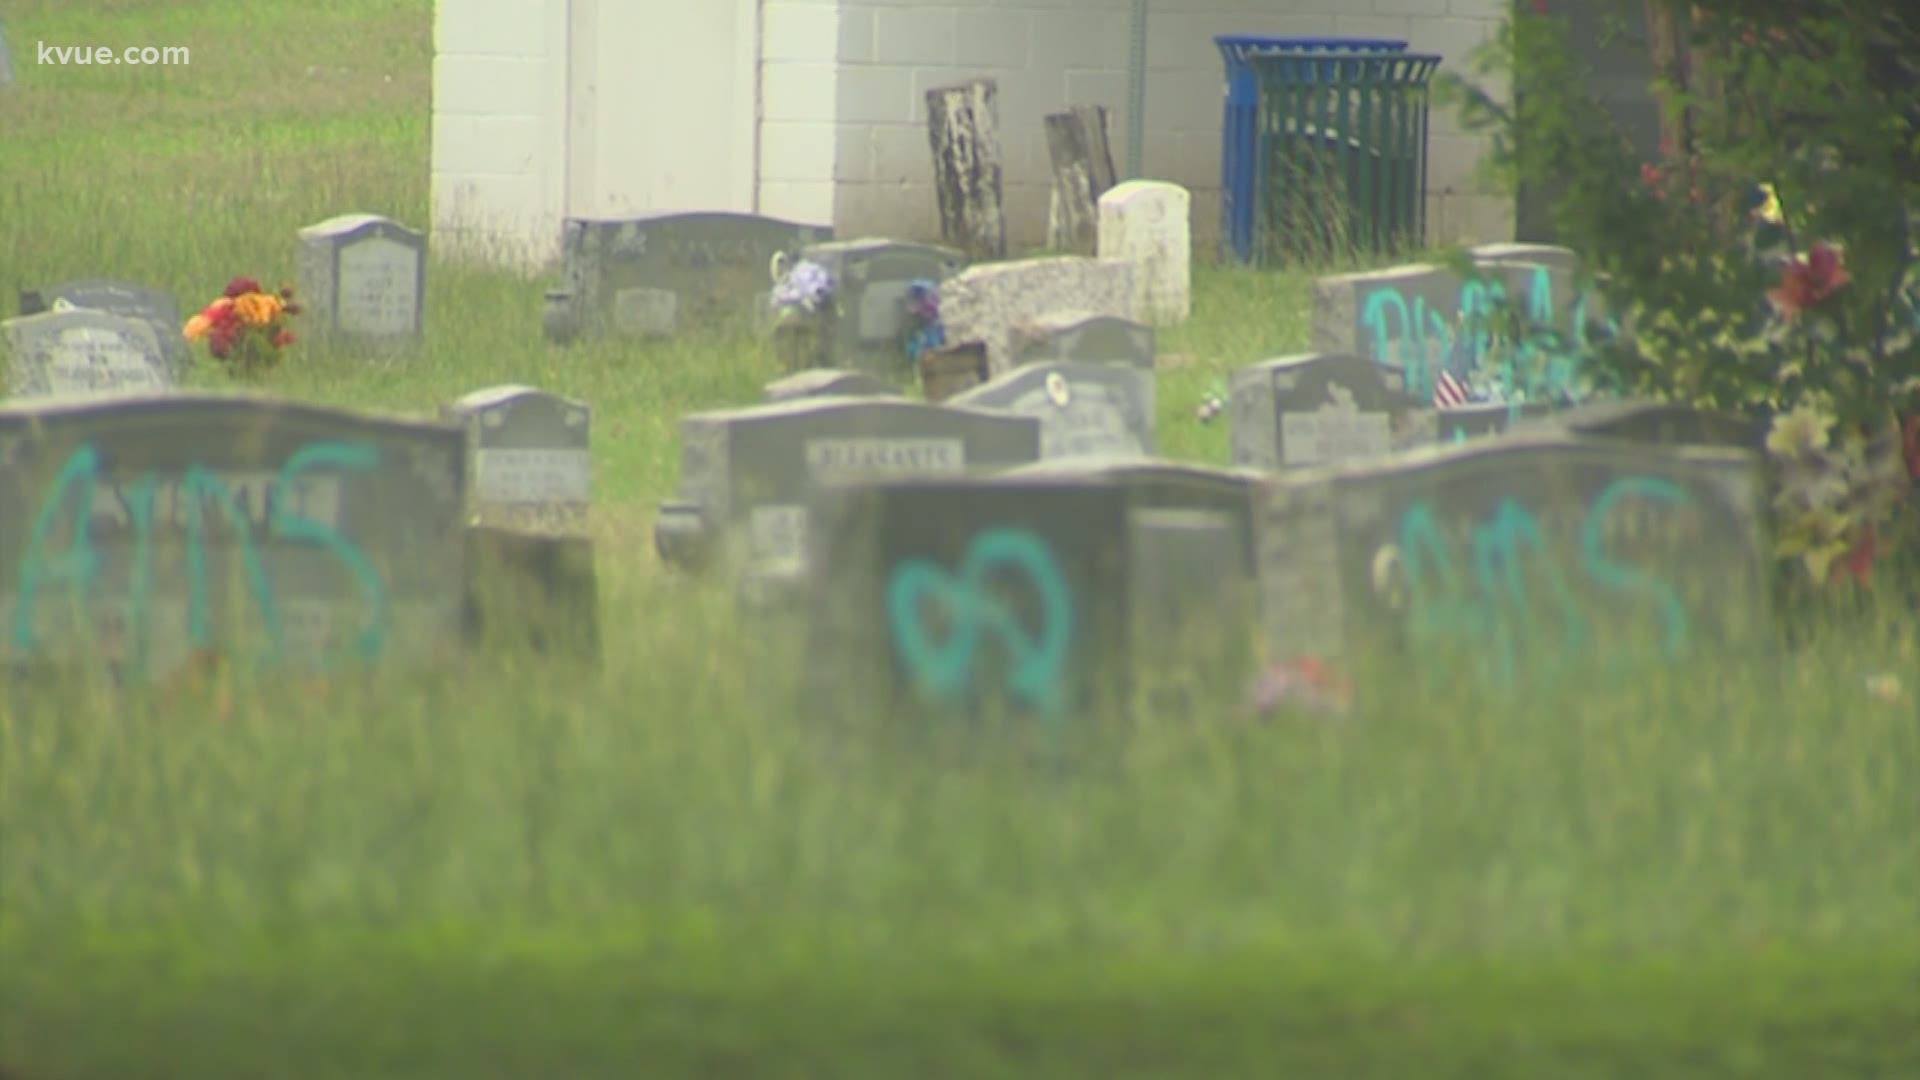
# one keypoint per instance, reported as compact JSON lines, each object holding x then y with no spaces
{"x":963,"y":129}
{"x":1082,"y":172}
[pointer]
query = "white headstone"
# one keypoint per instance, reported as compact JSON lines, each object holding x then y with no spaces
{"x":363,"y":276}
{"x":1149,"y":224}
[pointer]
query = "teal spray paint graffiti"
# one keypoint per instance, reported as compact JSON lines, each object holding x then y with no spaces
{"x":946,"y":669}
{"x":75,"y":569}
{"x":1484,"y":608}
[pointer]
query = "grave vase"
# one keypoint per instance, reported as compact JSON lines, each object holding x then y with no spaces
{"x":799,"y":342}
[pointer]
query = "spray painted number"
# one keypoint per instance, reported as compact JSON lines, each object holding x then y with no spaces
{"x":201,"y":494}
{"x":946,"y":668}
{"x":1483,"y":603}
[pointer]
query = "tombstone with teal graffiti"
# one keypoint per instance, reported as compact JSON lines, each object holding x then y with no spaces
{"x":1519,"y":560}
{"x":136,"y":532}
{"x":1042,"y":597}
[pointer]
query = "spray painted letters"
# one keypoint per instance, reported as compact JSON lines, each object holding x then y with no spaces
{"x":1490,"y":604}
{"x":298,"y":505}
{"x":946,"y":669}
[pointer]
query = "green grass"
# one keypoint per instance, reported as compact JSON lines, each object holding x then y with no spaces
{"x":656,"y":869}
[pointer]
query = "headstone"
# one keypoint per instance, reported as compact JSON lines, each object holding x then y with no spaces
{"x":62,"y":353}
{"x":1083,"y":336}
{"x":1516,"y":558}
{"x":1481,"y":421}
{"x":1409,"y":317}
{"x":865,"y":327}
{"x":1149,"y":223}
{"x":136,"y":530}
{"x":532,"y":593}
{"x":745,"y":473}
{"x":1160,"y":484}
{"x":1084,"y":409}
{"x":530,"y":457}
{"x":1050,"y":595}
{"x":155,"y":307}
{"x":363,"y":276}
{"x":658,"y":275}
{"x":1315,"y":409}
{"x":1655,"y":422}
{"x":985,"y":303}
{"x":829,"y":382}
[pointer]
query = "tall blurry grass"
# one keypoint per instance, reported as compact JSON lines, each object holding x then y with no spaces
{"x":1722,"y":806}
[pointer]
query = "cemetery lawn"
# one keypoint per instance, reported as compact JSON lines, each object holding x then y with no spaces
{"x":652,"y":870}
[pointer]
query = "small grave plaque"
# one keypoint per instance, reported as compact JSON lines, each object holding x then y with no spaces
{"x":136,"y":530}
{"x":83,"y":352}
{"x":363,"y":276}
{"x":1314,"y":409}
{"x":1085,"y":337}
{"x":655,"y":276}
{"x":531,"y":454}
{"x":1517,"y":557}
{"x":747,"y":471}
{"x":1083,"y":408}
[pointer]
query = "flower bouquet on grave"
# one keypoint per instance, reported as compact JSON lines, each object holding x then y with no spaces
{"x":246,"y":329}
{"x":802,"y":296}
{"x":925,"y":331}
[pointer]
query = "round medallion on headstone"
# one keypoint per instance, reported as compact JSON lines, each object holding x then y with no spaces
{"x":1057,"y":390}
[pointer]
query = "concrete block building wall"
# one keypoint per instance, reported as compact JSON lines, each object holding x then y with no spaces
{"x":1047,"y":54}
{"x":499,"y":169}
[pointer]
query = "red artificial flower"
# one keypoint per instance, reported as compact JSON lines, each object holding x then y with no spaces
{"x":283,"y":339}
{"x":286,"y":293}
{"x":1858,"y":563}
{"x":1808,"y":282}
{"x":241,"y":286}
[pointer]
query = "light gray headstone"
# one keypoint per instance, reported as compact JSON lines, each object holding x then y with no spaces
{"x":1083,"y":336}
{"x":530,"y":456}
{"x":748,"y":471}
{"x":828,"y":382}
{"x":363,"y":276}
{"x":1516,"y":557}
{"x":1317,"y":409}
{"x":1149,"y":223}
{"x":867,"y":324}
{"x":156,"y":307}
{"x":84,"y":352}
{"x":1084,"y":408}
{"x":985,"y":303}
{"x":658,"y":275}
{"x":227,"y":521}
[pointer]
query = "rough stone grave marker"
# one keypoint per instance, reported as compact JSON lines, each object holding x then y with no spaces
{"x":138,"y":530}
{"x":530,"y":457}
{"x":62,"y":353}
{"x":985,"y":303}
{"x":1083,"y":408}
{"x":657,"y":275}
{"x":866,"y":325}
{"x":745,"y":473}
{"x":363,"y":276}
{"x":1315,"y":409}
{"x":953,"y":592}
{"x":1516,"y":558}
{"x":1149,"y":224}
{"x":829,"y":382}
{"x":1083,"y":336}
{"x":156,"y":307}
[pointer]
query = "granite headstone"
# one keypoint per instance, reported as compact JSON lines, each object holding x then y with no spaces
{"x":363,"y":276}
{"x":530,"y":456}
{"x":1083,"y":408}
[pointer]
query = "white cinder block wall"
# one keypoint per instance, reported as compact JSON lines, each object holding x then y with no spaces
{"x":1045,"y":55}
{"x":499,"y":169}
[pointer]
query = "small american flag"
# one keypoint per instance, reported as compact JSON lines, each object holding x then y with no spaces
{"x":1448,"y":391}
